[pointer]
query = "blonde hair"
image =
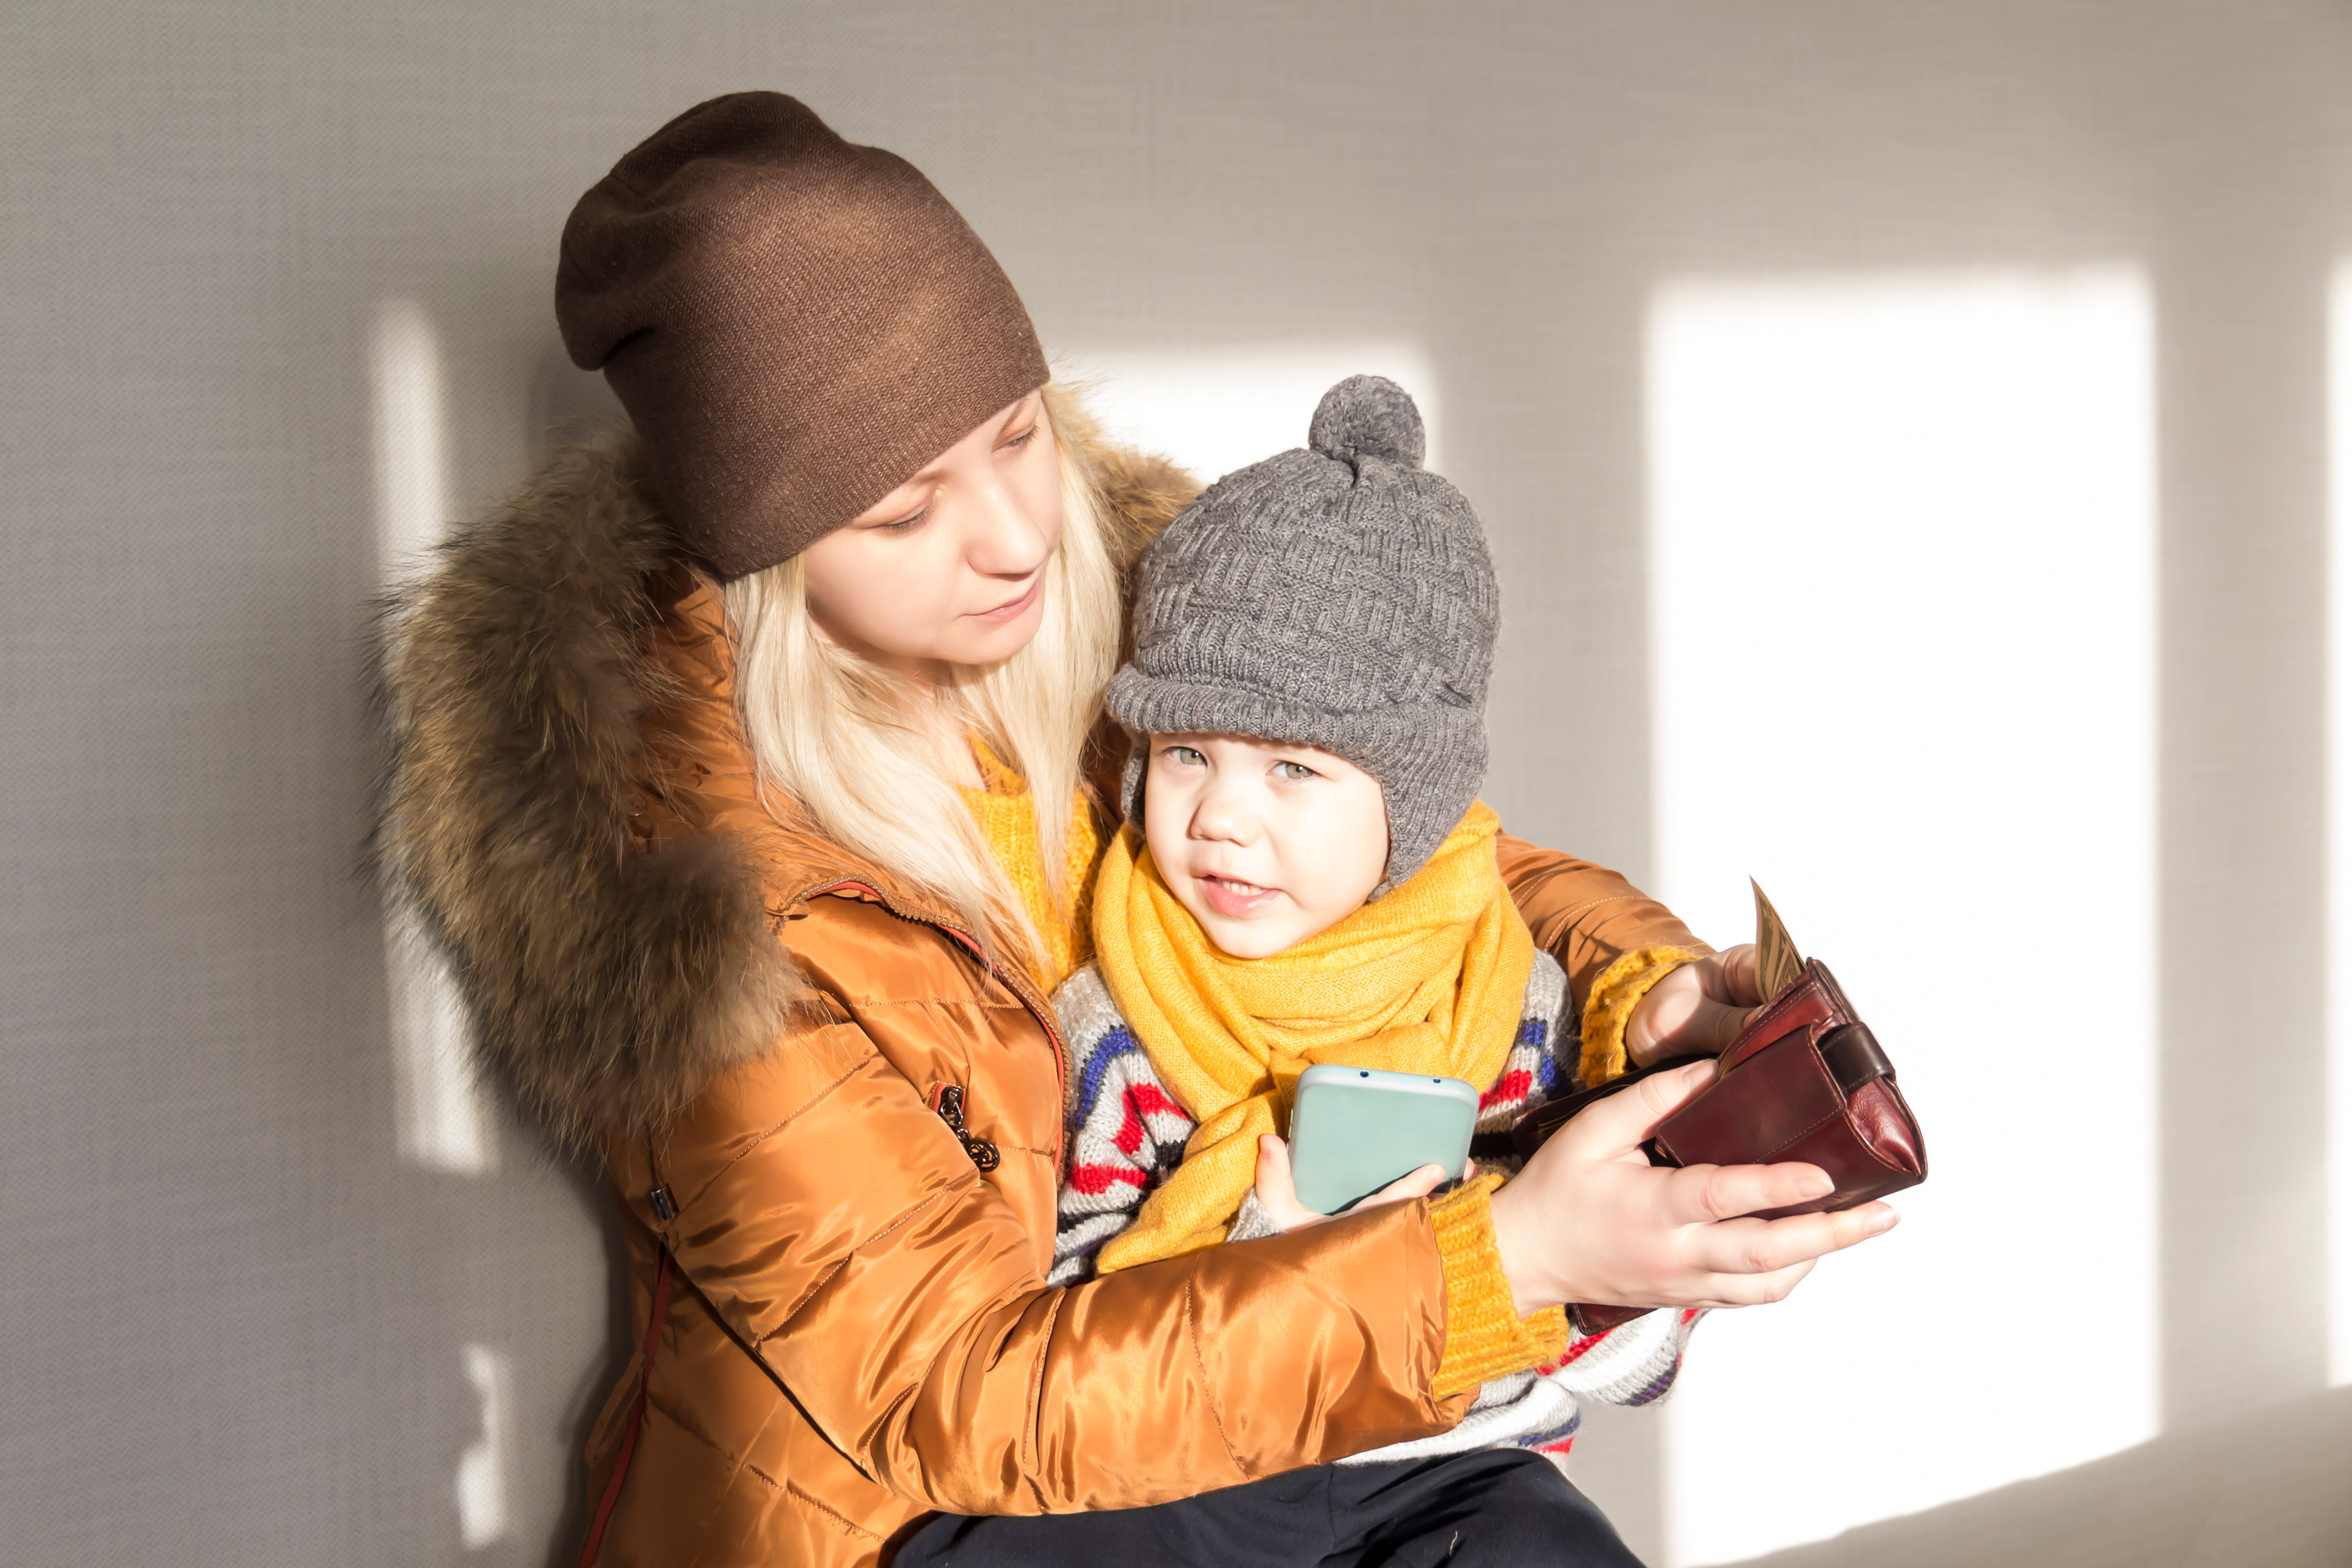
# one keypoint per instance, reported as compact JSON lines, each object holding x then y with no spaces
{"x":855,"y":745}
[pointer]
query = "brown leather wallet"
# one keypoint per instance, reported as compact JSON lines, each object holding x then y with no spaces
{"x":1805,"y":1080}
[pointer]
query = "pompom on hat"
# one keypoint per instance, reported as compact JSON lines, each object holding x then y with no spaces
{"x":1367,"y":416}
{"x":795,"y":324}
{"x":1336,"y":595}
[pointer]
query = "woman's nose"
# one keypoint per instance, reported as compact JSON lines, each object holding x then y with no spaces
{"x":1003,"y":540}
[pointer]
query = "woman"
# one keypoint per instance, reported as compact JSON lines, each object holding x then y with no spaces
{"x":743,"y":771}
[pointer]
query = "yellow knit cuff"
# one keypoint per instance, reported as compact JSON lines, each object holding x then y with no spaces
{"x":1611,"y":1006}
{"x":1484,"y":1337}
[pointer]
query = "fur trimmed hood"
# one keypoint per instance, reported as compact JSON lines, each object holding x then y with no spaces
{"x":607,"y":976}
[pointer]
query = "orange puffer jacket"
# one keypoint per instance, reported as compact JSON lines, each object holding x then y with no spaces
{"x":753,"y":1026}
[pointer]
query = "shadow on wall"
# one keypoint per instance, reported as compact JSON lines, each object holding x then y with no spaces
{"x":516,"y":1466}
{"x":596,"y":1383}
{"x":568,"y":403}
{"x":2265,"y":1491}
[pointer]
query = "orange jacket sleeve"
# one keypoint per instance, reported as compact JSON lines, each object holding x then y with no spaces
{"x":1585,"y":915}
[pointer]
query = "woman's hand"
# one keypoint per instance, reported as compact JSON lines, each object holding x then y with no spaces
{"x":1591,"y":1219}
{"x":1696,"y":1010}
{"x":1278,"y":1195}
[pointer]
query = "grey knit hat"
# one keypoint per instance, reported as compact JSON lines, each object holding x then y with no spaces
{"x":1337,"y":597}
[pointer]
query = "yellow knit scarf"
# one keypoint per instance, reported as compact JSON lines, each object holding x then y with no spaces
{"x":1008,"y":821}
{"x":1428,"y":979}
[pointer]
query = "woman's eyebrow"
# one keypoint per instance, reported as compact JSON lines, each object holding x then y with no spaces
{"x":1030,"y":406}
{"x":1011,"y":418}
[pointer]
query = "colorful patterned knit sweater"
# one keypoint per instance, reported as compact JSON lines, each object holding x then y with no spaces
{"x":1126,"y":1134}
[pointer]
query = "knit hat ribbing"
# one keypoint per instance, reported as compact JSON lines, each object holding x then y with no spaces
{"x":795,"y":324}
{"x":1335,"y":596}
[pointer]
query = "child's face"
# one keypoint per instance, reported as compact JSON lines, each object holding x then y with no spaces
{"x":1267,"y":845}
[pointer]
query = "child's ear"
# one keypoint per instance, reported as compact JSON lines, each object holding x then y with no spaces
{"x":1135,"y":776}
{"x":1388,"y":826}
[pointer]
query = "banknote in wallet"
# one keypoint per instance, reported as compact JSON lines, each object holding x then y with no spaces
{"x":1777,"y":961}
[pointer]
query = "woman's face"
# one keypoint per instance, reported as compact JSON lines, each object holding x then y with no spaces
{"x":949,"y":568}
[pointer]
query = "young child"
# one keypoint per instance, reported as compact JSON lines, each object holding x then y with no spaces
{"x":1306,"y":877}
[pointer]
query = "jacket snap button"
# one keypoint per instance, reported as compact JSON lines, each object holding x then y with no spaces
{"x":948,"y":1100}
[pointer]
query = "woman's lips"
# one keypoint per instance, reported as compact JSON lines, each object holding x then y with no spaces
{"x":1011,"y":607}
{"x":1239,"y":899}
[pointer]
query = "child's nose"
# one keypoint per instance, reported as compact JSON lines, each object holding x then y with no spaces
{"x":1223,"y":815}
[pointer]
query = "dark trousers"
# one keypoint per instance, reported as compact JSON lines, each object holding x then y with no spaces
{"x":1492,"y":1508}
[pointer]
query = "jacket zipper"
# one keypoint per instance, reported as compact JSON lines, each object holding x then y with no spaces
{"x":1044,"y":1022}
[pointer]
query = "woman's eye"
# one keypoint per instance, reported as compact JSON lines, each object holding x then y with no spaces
{"x":904,"y":525}
{"x":1021,"y":440}
{"x":1292,"y":772}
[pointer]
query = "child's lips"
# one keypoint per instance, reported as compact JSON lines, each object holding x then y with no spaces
{"x":1238,"y":899}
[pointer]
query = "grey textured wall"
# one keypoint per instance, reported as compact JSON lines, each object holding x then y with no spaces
{"x":235,"y":1314}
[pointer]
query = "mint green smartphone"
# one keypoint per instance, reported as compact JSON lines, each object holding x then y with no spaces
{"x":1355,"y":1129}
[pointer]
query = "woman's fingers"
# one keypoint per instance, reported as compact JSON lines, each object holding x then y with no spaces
{"x":1696,"y":1193}
{"x":1836,"y":1232}
{"x":1760,"y":1248}
{"x":1754,"y":1290}
{"x":1618,"y":1125}
{"x":1711,"y":1027}
{"x":1588,"y":1219}
{"x":1731,"y":977}
{"x":1699,"y":1008}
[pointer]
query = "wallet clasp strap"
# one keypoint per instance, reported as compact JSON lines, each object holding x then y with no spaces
{"x":1851,"y":1053}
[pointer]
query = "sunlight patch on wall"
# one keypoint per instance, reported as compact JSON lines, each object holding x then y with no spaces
{"x":439,"y":1118}
{"x":439,"y":1121}
{"x":1903,"y":569}
{"x":482,"y":1467}
{"x":1215,"y":411}
{"x":411,"y":456}
{"x":2339,"y":827}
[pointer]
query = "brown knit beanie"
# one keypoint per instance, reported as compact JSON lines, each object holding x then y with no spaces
{"x":795,"y":324}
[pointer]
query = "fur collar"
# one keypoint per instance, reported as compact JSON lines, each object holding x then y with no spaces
{"x":605,"y":984}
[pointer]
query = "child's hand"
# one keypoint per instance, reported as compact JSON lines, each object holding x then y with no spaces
{"x":1696,"y":1010}
{"x":1278,"y":1195}
{"x":1589,"y":1219}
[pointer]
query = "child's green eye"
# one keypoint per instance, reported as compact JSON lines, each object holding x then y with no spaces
{"x":1186,"y":757}
{"x":1292,"y":772}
